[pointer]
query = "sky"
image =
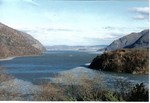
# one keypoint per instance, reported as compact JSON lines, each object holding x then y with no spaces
{"x":75,"y":22}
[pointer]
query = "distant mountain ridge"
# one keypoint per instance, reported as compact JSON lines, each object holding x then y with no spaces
{"x":77,"y":48}
{"x":17,"y":43}
{"x":133,"y":40}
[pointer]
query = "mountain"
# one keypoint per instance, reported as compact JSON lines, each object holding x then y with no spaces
{"x":143,"y":41}
{"x":129,"y":54}
{"x":133,"y":40}
{"x":74,"y":48}
{"x":17,"y":43}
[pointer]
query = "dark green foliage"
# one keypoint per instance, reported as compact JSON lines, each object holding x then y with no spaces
{"x":124,"y":92}
{"x":138,"y":93}
{"x":111,"y":96}
{"x":122,"y":87}
{"x":72,"y":94}
{"x":130,"y":92}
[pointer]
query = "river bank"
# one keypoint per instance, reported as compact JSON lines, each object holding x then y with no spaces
{"x":9,"y":58}
{"x":82,"y":89}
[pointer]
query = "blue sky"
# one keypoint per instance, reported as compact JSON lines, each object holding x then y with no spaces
{"x":55,"y":22}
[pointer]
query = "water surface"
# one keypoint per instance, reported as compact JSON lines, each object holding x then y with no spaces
{"x":55,"y":63}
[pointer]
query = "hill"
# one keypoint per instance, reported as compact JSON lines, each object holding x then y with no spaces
{"x":133,"y":40}
{"x":135,"y":61}
{"x":17,"y":43}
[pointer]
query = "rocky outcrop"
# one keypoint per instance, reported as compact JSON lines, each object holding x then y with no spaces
{"x":17,"y":43}
{"x":133,"y":40}
{"x":135,"y":61}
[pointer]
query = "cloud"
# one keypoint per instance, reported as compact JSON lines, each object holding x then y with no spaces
{"x":54,"y":36}
{"x":142,"y":13}
{"x":18,"y":2}
{"x":58,"y":35}
{"x":47,"y":29}
{"x":143,"y":10}
{"x":140,"y":17}
{"x":109,"y":28}
{"x":60,"y":29}
{"x":31,"y":2}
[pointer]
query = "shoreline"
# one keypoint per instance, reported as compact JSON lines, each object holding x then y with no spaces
{"x":8,"y":58}
{"x":13,"y":57}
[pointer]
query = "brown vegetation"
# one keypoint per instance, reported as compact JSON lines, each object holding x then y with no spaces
{"x":4,"y":76}
{"x":6,"y":94}
{"x":92,"y":90}
{"x":86,"y":90}
{"x":49,"y":92}
{"x":135,"y":61}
